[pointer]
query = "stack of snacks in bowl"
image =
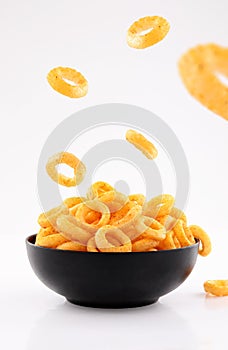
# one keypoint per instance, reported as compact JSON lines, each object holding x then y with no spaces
{"x":75,"y":250}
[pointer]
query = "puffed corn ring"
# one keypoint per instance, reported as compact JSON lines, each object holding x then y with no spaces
{"x":168,"y":242}
{"x":142,"y":144}
{"x":56,"y":78}
{"x":103,"y":244}
{"x":130,"y":212}
{"x":158,"y":206}
{"x":200,"y":234}
{"x":93,"y":205}
{"x":71,"y":160}
{"x":91,"y":245}
{"x":144,"y":244}
{"x":150,"y":227}
{"x":98,"y":188}
{"x":92,"y":217}
{"x":182,"y":233}
{"x":72,"y":246}
{"x":216,"y":287}
{"x":158,"y":28}
{"x":138,"y":198}
{"x":198,"y":67}
{"x":68,"y":226}
{"x":49,"y":238}
{"x":48,"y":218}
{"x":72,"y":201}
{"x":114,"y":200}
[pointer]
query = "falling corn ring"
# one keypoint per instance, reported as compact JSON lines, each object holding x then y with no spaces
{"x":56,"y":78}
{"x":103,"y":244}
{"x":142,"y":144}
{"x":159,"y":28}
{"x":68,"y":226}
{"x":71,"y":160}
{"x":216,"y":287}
{"x":200,"y":234}
{"x":197,"y":68}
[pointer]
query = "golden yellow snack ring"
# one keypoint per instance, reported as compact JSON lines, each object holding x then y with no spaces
{"x":159,"y":28}
{"x":70,"y":229}
{"x":76,"y":246}
{"x":200,"y":234}
{"x":158,"y":206}
{"x":71,"y":160}
{"x":216,"y":287}
{"x":56,"y":78}
{"x":142,"y":144}
{"x":105,"y":246}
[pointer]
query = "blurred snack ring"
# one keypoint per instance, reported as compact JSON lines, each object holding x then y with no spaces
{"x":198,"y":68}
{"x":216,"y":287}
{"x":72,"y":201}
{"x":71,"y":160}
{"x":103,"y":244}
{"x":56,"y":78}
{"x":158,"y":28}
{"x":200,"y":234}
{"x":142,"y":144}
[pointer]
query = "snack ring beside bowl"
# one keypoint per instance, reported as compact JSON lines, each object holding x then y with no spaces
{"x":111,"y":280}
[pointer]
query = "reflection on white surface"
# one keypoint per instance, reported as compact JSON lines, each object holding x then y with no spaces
{"x":71,"y":327}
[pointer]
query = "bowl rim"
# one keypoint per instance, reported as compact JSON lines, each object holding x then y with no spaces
{"x":61,"y":251}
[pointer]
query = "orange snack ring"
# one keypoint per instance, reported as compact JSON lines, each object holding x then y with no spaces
{"x":114,"y":200}
{"x":93,"y":205}
{"x":180,"y":232}
{"x":159,"y":29}
{"x":158,"y":206}
{"x":98,"y":189}
{"x":216,"y":287}
{"x":91,"y":245}
{"x":197,"y":69}
{"x":68,"y":226}
{"x":168,"y":242}
{"x":48,"y":218}
{"x":105,"y":246}
{"x":142,"y":144}
{"x":131,"y":216}
{"x":56,"y":77}
{"x":49,"y":238}
{"x":71,"y":160}
{"x":144,"y":245}
{"x":138,"y":198}
{"x":72,"y":201}
{"x":151,"y":227}
{"x":72,"y":246}
{"x":200,"y":234}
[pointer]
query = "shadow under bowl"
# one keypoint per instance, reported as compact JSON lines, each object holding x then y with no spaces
{"x":111,"y":280}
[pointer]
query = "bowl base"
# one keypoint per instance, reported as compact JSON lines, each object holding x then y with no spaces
{"x":112,"y":305}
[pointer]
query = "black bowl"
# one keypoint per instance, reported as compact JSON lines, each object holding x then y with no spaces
{"x":111,"y":280}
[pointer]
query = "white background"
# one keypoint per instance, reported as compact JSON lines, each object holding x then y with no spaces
{"x":36,"y":36}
